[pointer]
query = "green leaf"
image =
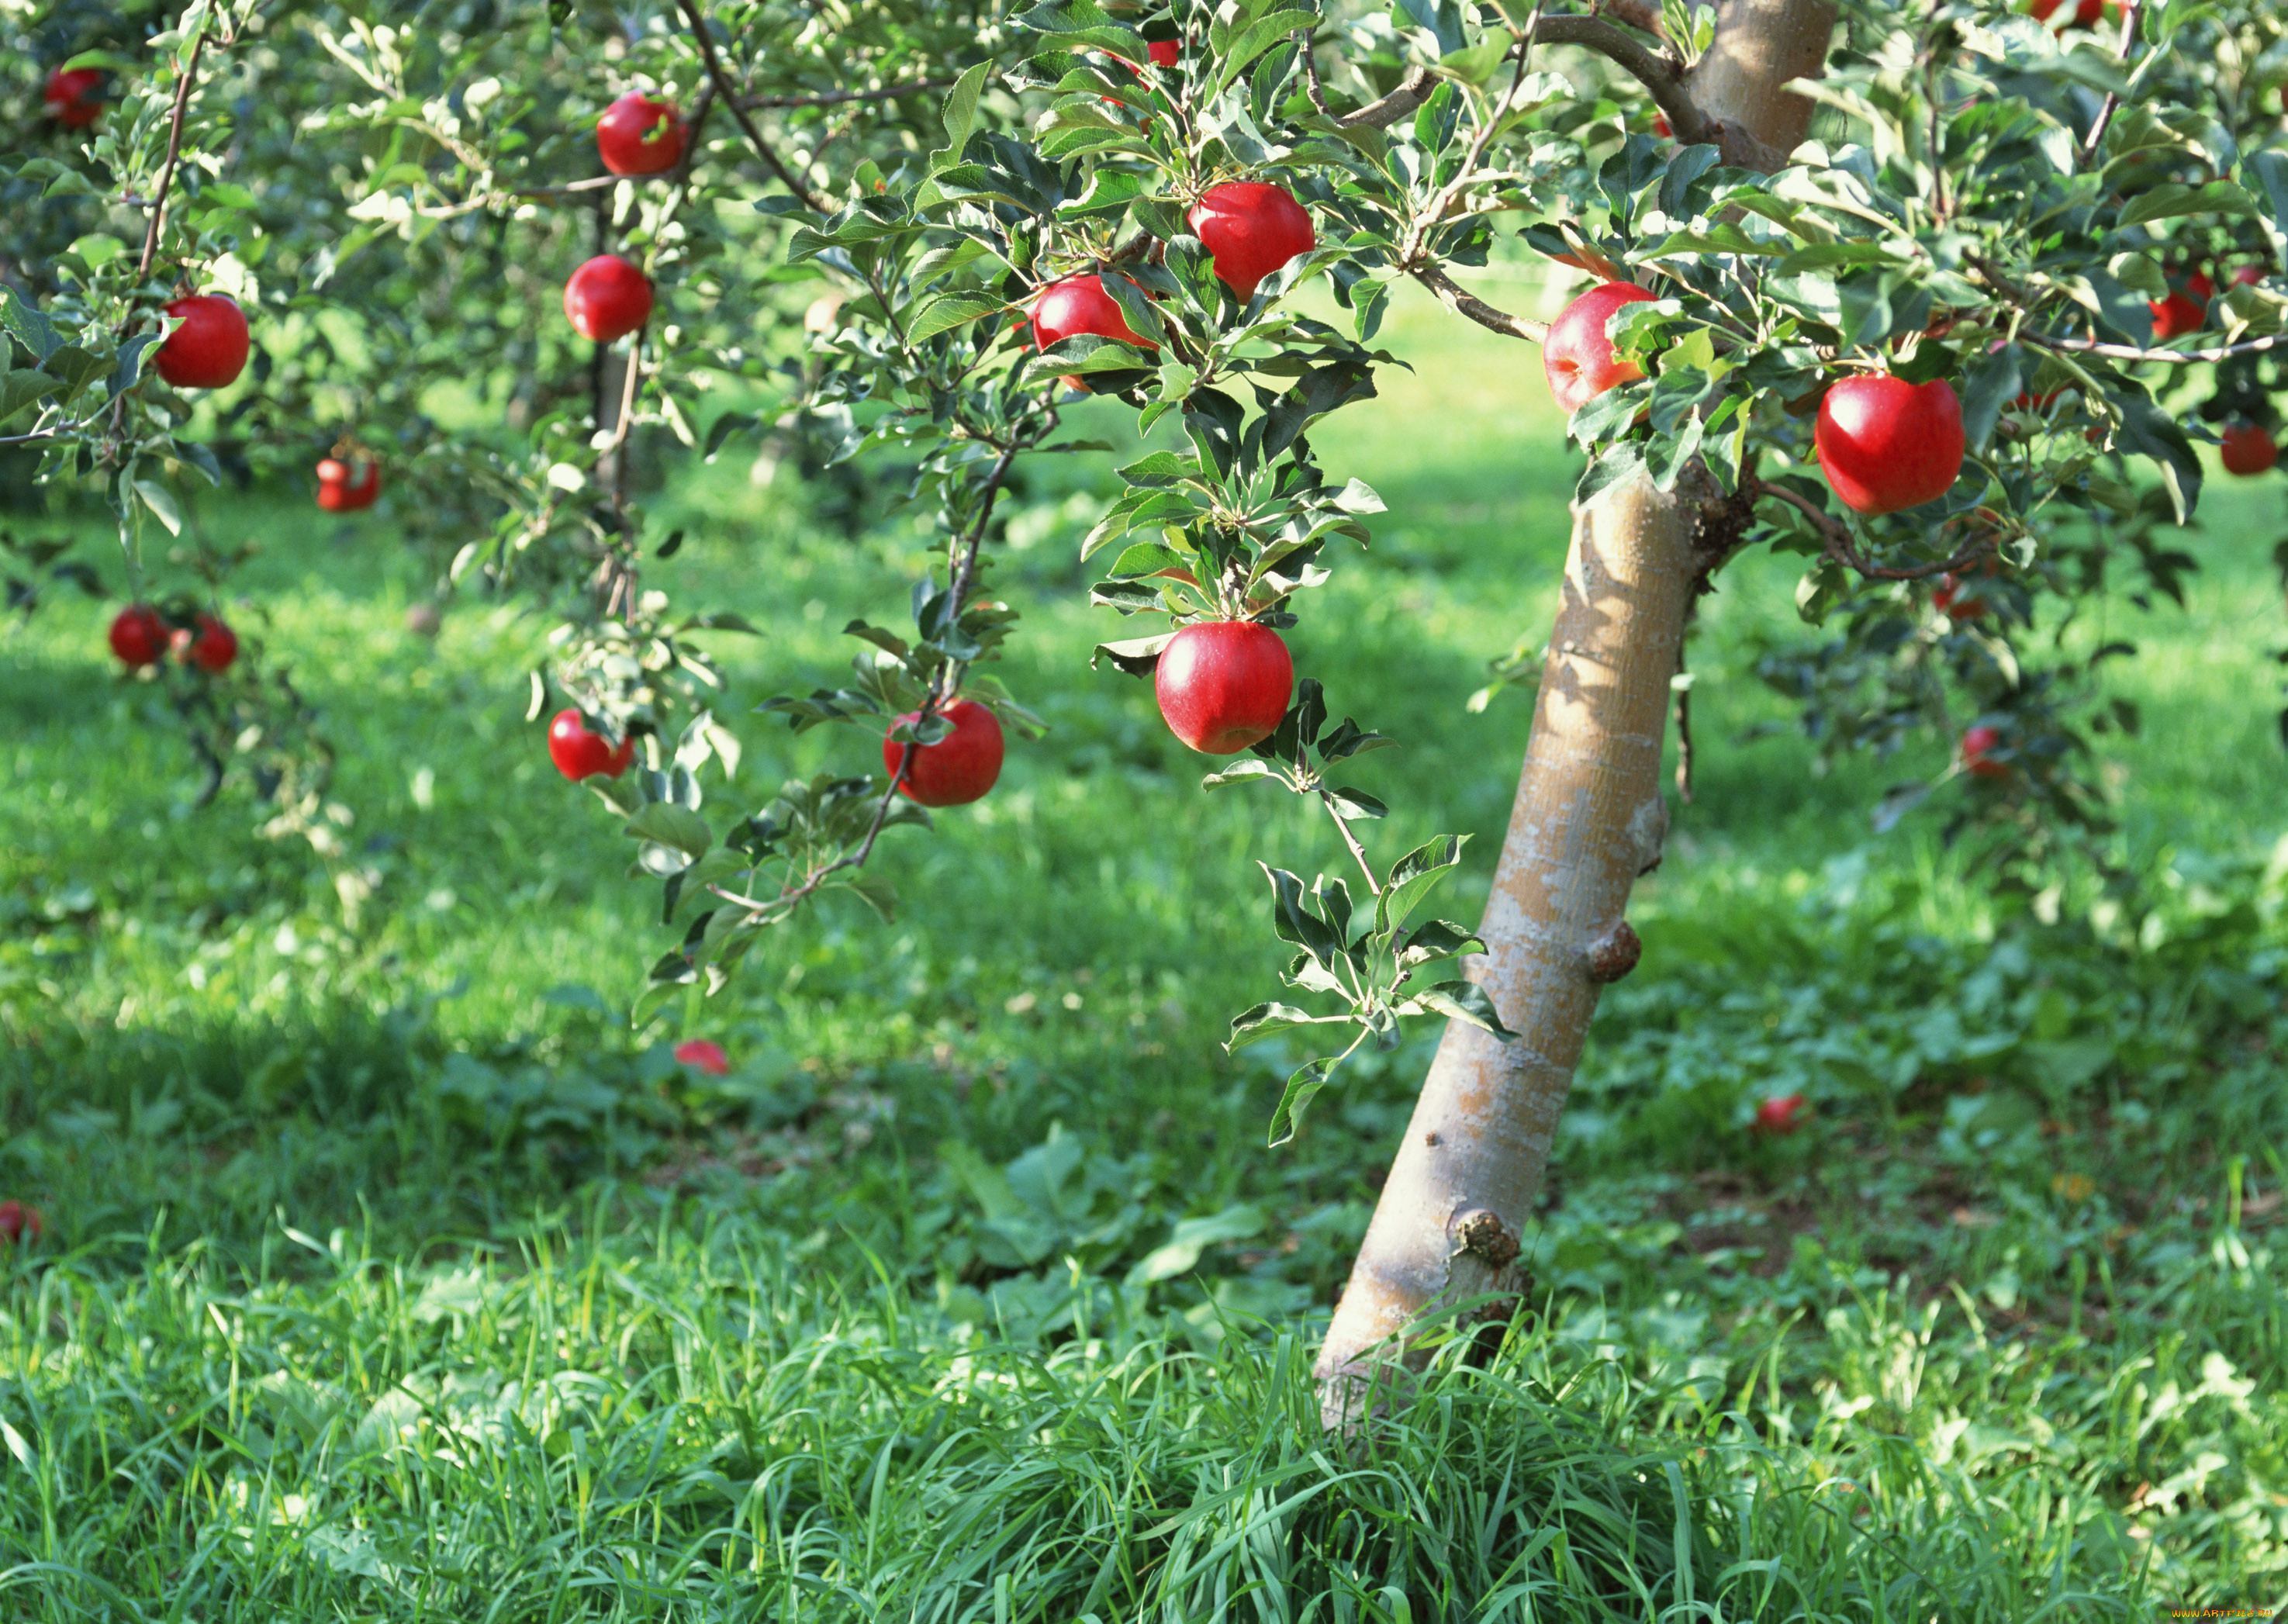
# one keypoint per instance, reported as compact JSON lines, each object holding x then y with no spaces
{"x":1414,"y":876}
{"x":674,"y":826}
{"x":22,"y":388}
{"x":1306,"y":1081}
{"x":1465,"y":1001}
{"x":960,"y":111}
{"x":28,"y":324}
{"x":949,"y":311}
{"x":1190,"y":1238}
{"x":1133,"y":656}
{"x":161,"y":500}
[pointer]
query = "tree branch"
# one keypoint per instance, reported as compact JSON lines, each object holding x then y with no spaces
{"x":1462,"y":302}
{"x":174,"y":153}
{"x":1412,"y":91}
{"x":2112,"y":102}
{"x":2180,"y":358}
{"x":1842,"y":550}
{"x":803,"y":193}
{"x":887,"y":94}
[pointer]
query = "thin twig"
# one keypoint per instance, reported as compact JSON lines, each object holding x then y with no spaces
{"x":887,"y":94}
{"x":1412,"y":91}
{"x":2112,"y":102}
{"x":940,"y":691}
{"x":174,"y":153}
{"x":2130,"y":352}
{"x":1462,"y":302}
{"x":1844,"y":550}
{"x":803,"y":193}
{"x":1350,"y":840}
{"x":1318,"y":92}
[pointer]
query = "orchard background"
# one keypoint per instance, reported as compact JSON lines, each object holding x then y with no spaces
{"x":1905,"y":1245}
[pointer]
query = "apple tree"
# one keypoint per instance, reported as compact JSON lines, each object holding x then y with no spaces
{"x":1940,"y":301}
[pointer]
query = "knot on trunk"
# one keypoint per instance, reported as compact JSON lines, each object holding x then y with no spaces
{"x":1613,"y":955}
{"x":1484,"y":1233}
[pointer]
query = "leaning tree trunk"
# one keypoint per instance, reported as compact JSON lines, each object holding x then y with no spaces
{"x":1588,"y":818}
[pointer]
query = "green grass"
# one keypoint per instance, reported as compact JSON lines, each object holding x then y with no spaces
{"x":389,"y":1277}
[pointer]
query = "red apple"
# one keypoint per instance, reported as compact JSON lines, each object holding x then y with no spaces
{"x":208,"y":349}
{"x":1078,"y":305}
{"x":138,"y":637}
{"x":579,"y":753}
{"x":71,"y":97}
{"x":608,"y":298}
{"x":1661,"y":128}
{"x":1778,"y":1115}
{"x":213,"y":647}
{"x":16,"y":1221}
{"x":339,"y":492}
{"x":958,"y":768}
{"x":1886,"y":444}
{"x":2175,"y":316}
{"x":702,"y":1055}
{"x":1251,"y":228}
{"x":2247,"y":275}
{"x":637,"y":136}
{"x":1951,"y":599}
{"x":1976,"y":744}
{"x":2247,"y":449}
{"x":1224,"y":685}
{"x":2088,"y":13}
{"x":1578,"y":357}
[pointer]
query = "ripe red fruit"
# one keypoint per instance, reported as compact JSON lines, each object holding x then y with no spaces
{"x":1251,"y":228}
{"x":608,"y":298}
{"x":2248,"y":448}
{"x":1224,"y":685}
{"x":138,"y":637}
{"x":1778,"y":1115}
{"x":2088,"y":13}
{"x":208,"y":349}
{"x":1578,"y":357}
{"x":958,"y":768}
{"x":337,"y":493}
{"x":213,"y":647}
{"x":1976,"y":743}
{"x":71,"y":97}
{"x":1951,"y":599}
{"x":2247,"y":275}
{"x":637,"y":136}
{"x":1078,"y":305}
{"x":702,"y":1055}
{"x":2175,"y":316}
{"x":579,"y":753}
{"x":1661,"y":127}
{"x":18,"y":1221}
{"x":2200,"y":287}
{"x":1886,"y":444}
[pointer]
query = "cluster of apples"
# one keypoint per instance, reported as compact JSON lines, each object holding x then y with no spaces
{"x":141,"y":635}
{"x":1221,"y":686}
{"x":1883,"y":444}
{"x":609,"y":297}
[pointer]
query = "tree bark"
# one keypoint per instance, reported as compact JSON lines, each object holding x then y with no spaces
{"x":1588,"y":817}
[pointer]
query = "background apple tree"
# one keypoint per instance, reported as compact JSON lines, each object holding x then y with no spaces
{"x":900,"y":240}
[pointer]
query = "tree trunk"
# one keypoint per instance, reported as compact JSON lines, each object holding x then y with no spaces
{"x":1588,"y":818}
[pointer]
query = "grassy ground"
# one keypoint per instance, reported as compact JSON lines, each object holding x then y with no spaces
{"x":388,"y":1277}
